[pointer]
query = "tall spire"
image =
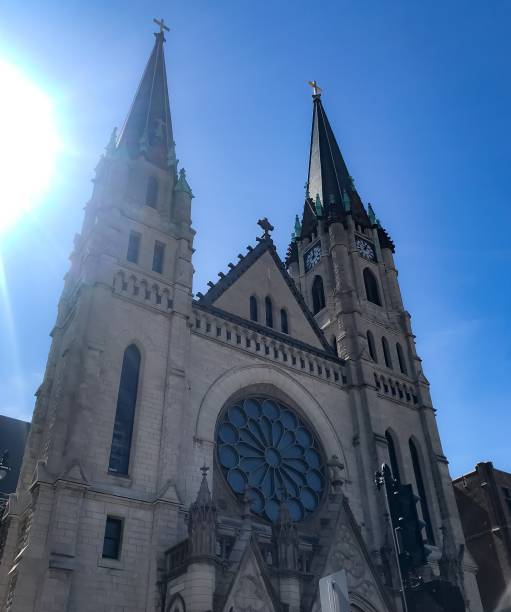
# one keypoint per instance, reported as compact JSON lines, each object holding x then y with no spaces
{"x":330,"y":191}
{"x":328,"y":175}
{"x":148,"y":128}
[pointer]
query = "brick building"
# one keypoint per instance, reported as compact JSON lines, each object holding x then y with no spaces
{"x":484,"y":503}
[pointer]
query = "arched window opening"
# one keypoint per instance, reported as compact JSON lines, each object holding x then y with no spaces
{"x":253,"y":308}
{"x":371,"y":286}
{"x":386,"y":352}
{"x":318,"y":295}
{"x":372,"y":347}
{"x":394,"y":466}
{"x":151,"y":196}
{"x":125,"y":412}
{"x":421,"y":491}
{"x":334,"y":346}
{"x":176,"y":604}
{"x":401,"y":359}
{"x":269,"y":311}
{"x":283,"y":321}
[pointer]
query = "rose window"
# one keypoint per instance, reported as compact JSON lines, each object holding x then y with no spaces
{"x":266,"y":450}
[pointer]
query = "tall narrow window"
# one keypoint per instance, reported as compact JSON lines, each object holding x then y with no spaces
{"x":125,"y":412}
{"x":269,"y":311}
{"x":401,"y":359}
{"x":151,"y":196}
{"x":394,"y":466}
{"x":334,"y":345}
{"x":371,"y":287}
{"x":158,"y":257}
{"x":133,"y":247}
{"x":283,"y":321}
{"x":253,"y":308}
{"x":372,"y":347}
{"x":112,"y":539}
{"x":421,"y":491}
{"x":318,"y":295}
{"x":386,"y":352}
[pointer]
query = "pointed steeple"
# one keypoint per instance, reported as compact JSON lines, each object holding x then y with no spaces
{"x":328,"y":175}
{"x":148,"y":128}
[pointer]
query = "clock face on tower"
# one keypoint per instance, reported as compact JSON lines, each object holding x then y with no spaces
{"x":365,"y":249}
{"x":312,"y":257}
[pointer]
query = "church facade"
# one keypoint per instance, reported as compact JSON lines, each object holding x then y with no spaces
{"x":217,"y":452}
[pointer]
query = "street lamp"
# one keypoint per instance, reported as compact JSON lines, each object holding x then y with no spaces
{"x":4,"y":468}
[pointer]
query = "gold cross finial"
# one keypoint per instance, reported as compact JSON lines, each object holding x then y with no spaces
{"x":162,"y":24}
{"x":315,"y":87}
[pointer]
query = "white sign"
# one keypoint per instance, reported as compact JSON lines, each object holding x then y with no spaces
{"x":333,"y":593}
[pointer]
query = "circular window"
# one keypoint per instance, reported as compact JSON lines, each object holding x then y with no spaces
{"x":265,"y":449}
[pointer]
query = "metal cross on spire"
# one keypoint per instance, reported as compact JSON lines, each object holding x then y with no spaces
{"x":316,"y":88}
{"x":161,"y":23}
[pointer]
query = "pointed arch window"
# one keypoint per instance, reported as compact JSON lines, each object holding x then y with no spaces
{"x":283,"y":321}
{"x":253,"y":308}
{"x":394,"y":465}
{"x":125,"y":412}
{"x":151,"y":195}
{"x":421,"y":491}
{"x":269,"y":311}
{"x":372,"y":347}
{"x":401,"y":359}
{"x":318,"y":295}
{"x":371,"y":287}
{"x":386,"y":352}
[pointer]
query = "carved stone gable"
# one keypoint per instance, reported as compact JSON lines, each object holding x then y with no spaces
{"x":348,"y":552}
{"x":250,"y":591}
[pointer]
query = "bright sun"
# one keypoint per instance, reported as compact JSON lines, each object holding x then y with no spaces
{"x":29,"y":145}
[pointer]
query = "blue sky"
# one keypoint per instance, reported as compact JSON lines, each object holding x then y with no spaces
{"x":419,"y":97}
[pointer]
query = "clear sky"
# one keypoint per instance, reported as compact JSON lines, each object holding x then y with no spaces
{"x":419,"y":97}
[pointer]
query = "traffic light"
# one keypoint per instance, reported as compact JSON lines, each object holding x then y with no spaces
{"x":405,"y":520}
{"x":408,"y":526}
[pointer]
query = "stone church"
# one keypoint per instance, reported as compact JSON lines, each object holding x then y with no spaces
{"x":216,"y":452}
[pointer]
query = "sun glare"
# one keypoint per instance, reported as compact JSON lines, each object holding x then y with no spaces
{"x":29,"y":145}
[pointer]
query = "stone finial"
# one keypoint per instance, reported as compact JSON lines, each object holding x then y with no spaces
{"x":202,"y":520}
{"x":371,"y":215}
{"x":286,"y":538}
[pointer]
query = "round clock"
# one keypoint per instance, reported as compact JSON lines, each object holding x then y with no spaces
{"x":365,"y":249}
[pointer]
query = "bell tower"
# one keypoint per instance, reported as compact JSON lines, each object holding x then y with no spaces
{"x":101,"y":458}
{"x":342,"y":260}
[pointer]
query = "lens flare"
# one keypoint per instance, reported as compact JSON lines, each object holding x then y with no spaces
{"x":29,"y":148}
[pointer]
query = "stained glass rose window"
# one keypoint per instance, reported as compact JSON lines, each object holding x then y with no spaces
{"x":266,"y":449}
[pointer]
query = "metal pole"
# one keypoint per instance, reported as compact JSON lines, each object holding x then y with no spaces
{"x":381,"y":479}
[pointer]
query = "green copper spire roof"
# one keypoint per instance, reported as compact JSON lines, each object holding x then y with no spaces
{"x":182,"y":183}
{"x":298,"y":227}
{"x":148,"y":128}
{"x":318,"y":206}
